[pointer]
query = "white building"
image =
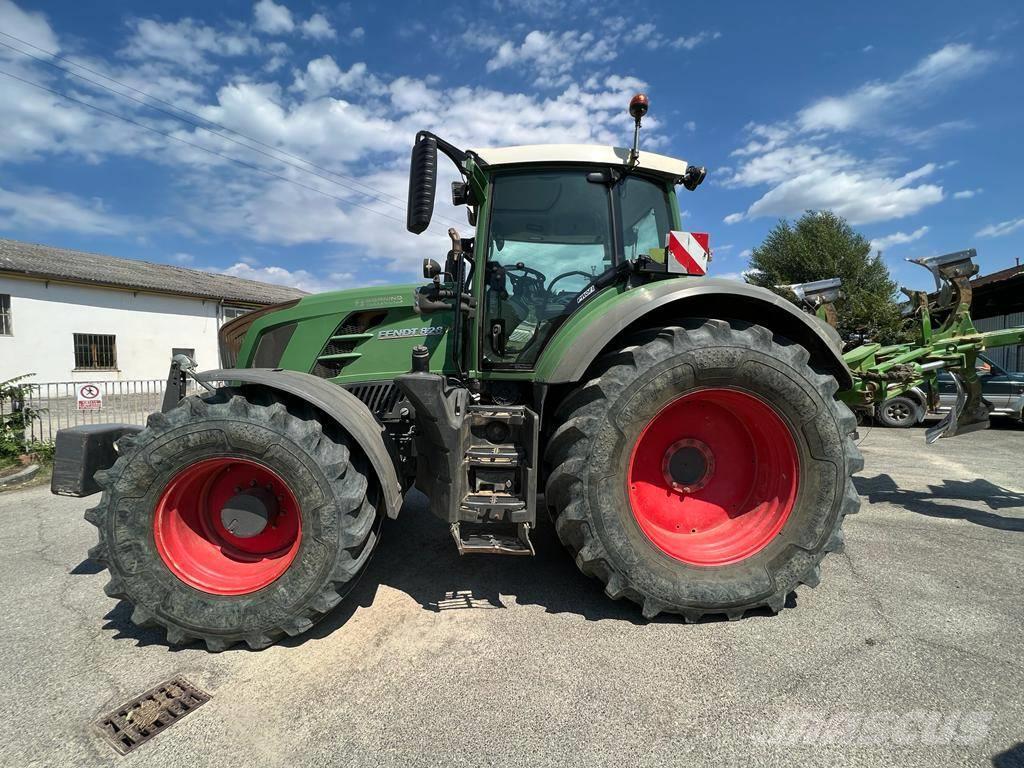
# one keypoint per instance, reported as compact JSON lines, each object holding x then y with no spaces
{"x":72,"y":316}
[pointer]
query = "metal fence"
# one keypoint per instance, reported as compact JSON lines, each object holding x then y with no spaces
{"x":57,"y":405}
{"x":1008,"y":358}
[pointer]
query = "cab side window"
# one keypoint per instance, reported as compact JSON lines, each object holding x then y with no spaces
{"x":646,"y":216}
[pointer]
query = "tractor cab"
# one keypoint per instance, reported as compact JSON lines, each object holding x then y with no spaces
{"x":555,"y":224}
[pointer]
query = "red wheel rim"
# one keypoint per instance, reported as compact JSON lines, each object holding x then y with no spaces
{"x":196,"y":544}
{"x":713,"y":477}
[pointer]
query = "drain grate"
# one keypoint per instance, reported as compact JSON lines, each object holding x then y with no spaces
{"x":145,"y":716}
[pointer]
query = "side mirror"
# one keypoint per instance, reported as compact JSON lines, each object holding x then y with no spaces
{"x":422,"y":184}
{"x":694,"y":176}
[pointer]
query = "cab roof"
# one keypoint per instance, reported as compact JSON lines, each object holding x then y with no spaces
{"x":580,"y":153}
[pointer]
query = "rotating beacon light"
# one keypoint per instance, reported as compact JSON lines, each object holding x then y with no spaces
{"x":638,"y":107}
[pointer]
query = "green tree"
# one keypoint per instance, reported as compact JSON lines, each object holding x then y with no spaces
{"x":820,"y":245}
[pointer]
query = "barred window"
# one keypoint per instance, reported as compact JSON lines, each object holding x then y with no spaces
{"x":95,"y":351}
{"x":6,"y":326}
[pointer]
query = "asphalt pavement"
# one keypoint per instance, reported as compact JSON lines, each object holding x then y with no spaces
{"x":910,"y":652}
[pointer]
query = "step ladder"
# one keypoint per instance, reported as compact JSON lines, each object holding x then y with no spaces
{"x":499,"y":466}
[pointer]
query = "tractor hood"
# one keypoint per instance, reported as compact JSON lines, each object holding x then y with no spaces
{"x":349,"y":335}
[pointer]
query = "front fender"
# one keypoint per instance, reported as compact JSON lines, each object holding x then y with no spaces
{"x":340,"y":405}
{"x":615,"y":312}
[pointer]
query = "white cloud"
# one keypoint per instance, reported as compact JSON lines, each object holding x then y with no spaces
{"x":552,"y":56}
{"x":357,"y":33}
{"x":182,"y":258}
{"x":807,"y":167}
{"x":41,"y":209}
{"x":689,"y":43}
{"x":186,"y":43}
{"x":861,"y":196}
{"x":272,"y":18}
{"x":967,"y":194}
{"x":898,"y":238}
{"x":366,"y":137}
{"x":650,"y":35}
{"x":318,"y":27}
{"x":300,"y":278}
{"x":746,"y":253}
{"x":30,"y":26}
{"x":347,"y":136}
{"x":323,"y":75}
{"x":872,"y":104}
{"x":1001,"y":229}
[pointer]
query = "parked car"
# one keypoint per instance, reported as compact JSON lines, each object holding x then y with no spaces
{"x":1003,"y":389}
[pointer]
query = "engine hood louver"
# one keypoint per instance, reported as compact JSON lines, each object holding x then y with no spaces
{"x":340,"y":349}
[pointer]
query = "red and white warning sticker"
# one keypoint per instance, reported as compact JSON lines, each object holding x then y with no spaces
{"x":687,"y":252}
{"x":89,"y":397}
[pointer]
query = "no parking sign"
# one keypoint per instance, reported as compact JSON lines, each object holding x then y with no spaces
{"x":89,"y":397}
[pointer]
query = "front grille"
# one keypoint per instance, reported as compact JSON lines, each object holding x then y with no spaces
{"x":380,"y":398}
{"x":339,"y":351}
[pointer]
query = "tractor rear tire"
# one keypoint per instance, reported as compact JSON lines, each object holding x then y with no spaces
{"x":235,"y":518}
{"x":703,"y":470}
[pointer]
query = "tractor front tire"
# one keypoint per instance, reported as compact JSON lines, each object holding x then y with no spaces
{"x":235,"y":518}
{"x":703,"y":470}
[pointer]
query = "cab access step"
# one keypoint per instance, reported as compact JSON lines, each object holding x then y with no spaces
{"x":476,"y":463}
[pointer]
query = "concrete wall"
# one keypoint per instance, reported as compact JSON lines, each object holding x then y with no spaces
{"x":147,"y":326}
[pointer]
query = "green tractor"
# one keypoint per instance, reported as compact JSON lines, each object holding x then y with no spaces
{"x":684,"y":433}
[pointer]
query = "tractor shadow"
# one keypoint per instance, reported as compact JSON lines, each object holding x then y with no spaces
{"x":418,"y":557}
{"x":934,"y":502}
{"x":1011,"y":758}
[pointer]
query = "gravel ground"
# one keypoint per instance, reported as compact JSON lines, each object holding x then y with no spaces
{"x":911,"y":651}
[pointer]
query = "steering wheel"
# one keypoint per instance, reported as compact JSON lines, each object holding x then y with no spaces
{"x":568,"y":274}
{"x":525,"y":270}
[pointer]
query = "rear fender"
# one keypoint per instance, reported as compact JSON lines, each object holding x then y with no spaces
{"x":665,"y":302}
{"x":344,"y":408}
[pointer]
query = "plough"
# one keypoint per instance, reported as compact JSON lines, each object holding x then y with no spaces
{"x":946,"y":339}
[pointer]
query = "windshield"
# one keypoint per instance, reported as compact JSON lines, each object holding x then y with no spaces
{"x":550,"y":235}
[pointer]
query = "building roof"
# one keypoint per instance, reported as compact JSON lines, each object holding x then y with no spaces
{"x":998,"y":277}
{"x":580,"y":153}
{"x":998,"y":293}
{"x":48,"y":263}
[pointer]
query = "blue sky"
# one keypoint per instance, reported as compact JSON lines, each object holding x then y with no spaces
{"x":904,"y":117}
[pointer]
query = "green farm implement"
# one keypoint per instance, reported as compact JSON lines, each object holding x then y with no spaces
{"x":945,"y":340}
